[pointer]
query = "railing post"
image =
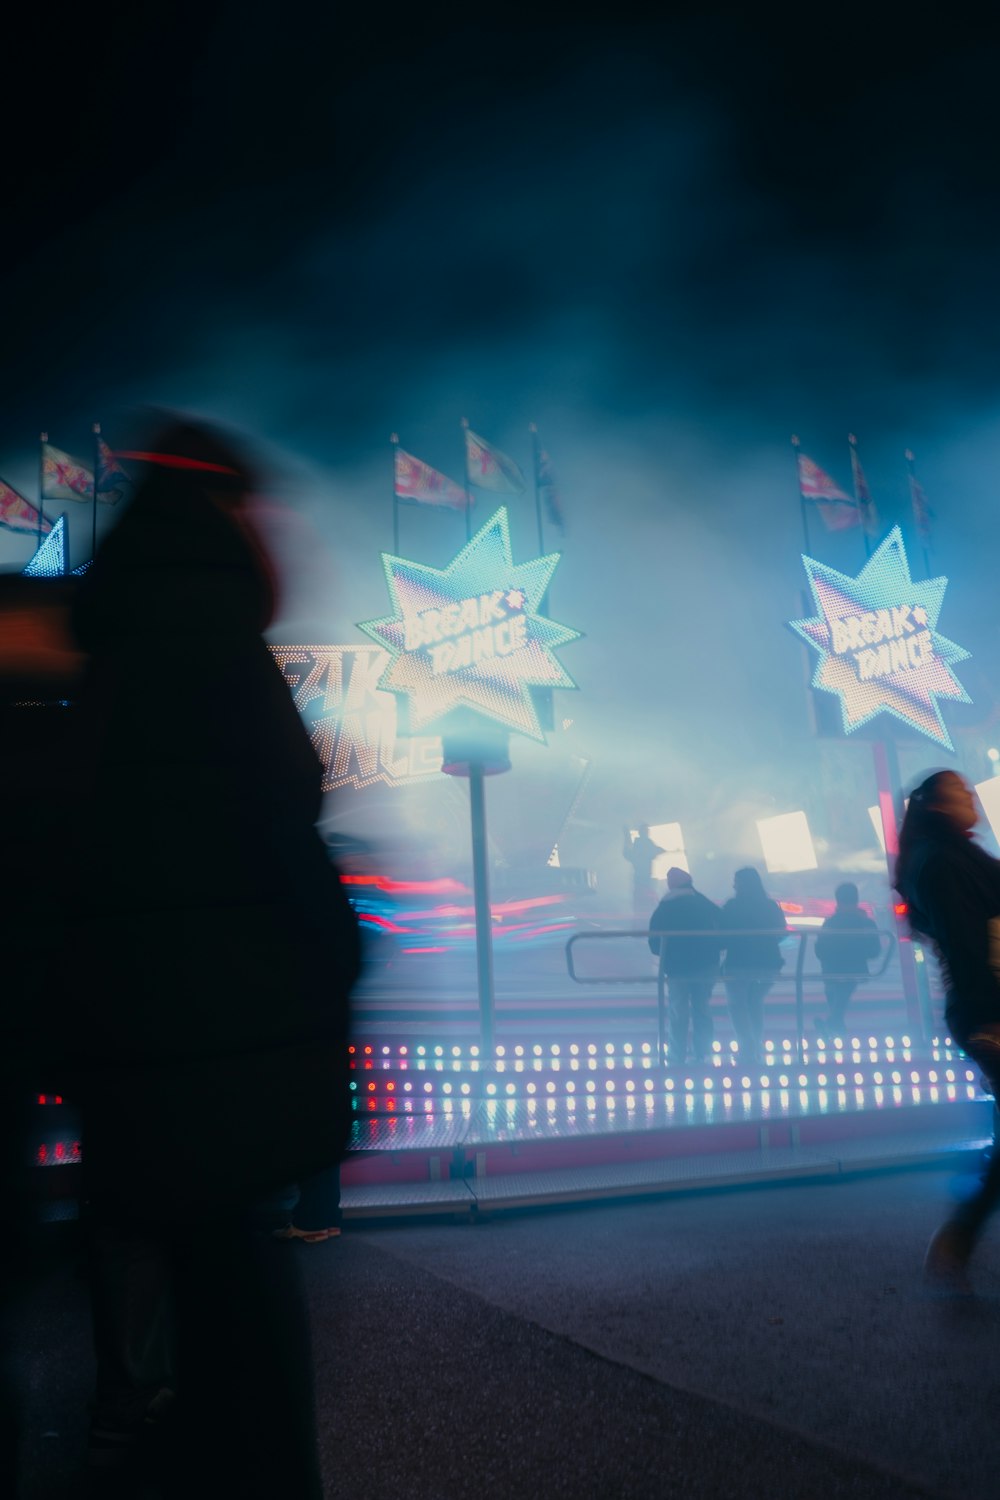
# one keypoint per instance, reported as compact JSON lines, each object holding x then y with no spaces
{"x":661,"y":1009}
{"x":800,"y":1021}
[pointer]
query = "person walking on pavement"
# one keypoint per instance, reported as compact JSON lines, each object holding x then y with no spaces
{"x":690,"y":963}
{"x":951,"y":887}
{"x":845,"y":946}
{"x":754,"y":924}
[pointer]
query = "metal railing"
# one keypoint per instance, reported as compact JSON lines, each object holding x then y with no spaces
{"x":797,"y":975}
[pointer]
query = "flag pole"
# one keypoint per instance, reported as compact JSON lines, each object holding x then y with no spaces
{"x":468,"y":481}
{"x":862,"y":504}
{"x":43,"y":439}
{"x":538,"y":494}
{"x":802,"y":499}
{"x":920,"y":521}
{"x":96,"y":430}
{"x":394,"y":440}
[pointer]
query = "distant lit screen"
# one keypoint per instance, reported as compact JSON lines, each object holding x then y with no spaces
{"x":989,"y":795}
{"x":787,"y":843}
{"x":878,"y":643}
{"x":671,"y":840}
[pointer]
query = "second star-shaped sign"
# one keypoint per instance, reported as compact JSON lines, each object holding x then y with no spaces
{"x":878,"y":642}
{"x":470,"y":635}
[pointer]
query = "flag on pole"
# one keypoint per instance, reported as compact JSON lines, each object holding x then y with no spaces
{"x":548,"y":490}
{"x":416,"y":483}
{"x":837,"y":510}
{"x":113,"y":482}
{"x":63,"y":478}
{"x":862,"y":494}
{"x":489,"y":469}
{"x":18,"y":514}
{"x":922,"y":513}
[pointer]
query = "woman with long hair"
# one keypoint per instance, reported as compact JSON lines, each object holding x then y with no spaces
{"x":753,"y":957}
{"x":951,"y":887}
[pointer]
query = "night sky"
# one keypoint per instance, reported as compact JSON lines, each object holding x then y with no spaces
{"x":669,"y":242}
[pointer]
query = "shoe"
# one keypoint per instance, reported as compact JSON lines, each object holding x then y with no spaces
{"x":946,"y":1262}
{"x":307,"y":1236}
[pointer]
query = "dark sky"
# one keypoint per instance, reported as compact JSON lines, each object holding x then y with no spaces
{"x":749,"y":204}
{"x":671,"y":241}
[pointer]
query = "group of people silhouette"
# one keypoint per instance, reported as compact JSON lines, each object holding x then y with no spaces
{"x":697,"y":941}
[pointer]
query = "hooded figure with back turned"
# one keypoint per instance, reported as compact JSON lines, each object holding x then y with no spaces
{"x":210,"y":1062}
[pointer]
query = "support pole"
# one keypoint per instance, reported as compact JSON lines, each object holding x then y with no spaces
{"x":481,"y":891}
{"x":889,"y":789}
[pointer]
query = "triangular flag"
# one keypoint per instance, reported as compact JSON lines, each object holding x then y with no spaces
{"x":489,"y":469}
{"x":112,"y":480}
{"x":838,"y":510}
{"x":418,"y":484}
{"x":63,"y":478}
{"x":18,"y":514}
{"x":862,"y":494}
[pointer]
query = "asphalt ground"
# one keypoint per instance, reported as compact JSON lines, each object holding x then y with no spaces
{"x":750,"y":1343}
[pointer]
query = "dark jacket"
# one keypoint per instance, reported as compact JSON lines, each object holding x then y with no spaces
{"x":686,"y":910}
{"x":218,"y":944}
{"x":754,"y":956}
{"x":952,"y":889}
{"x":848,"y":941}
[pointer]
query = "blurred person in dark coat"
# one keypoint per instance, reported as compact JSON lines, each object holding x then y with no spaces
{"x":845,"y":946}
{"x":752,"y":926}
{"x":951,"y":887}
{"x":209,"y":1062}
{"x":39,"y":672}
{"x":691,"y":963}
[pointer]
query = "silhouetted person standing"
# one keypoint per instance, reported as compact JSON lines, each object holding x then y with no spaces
{"x":691,"y":963}
{"x":952,"y":890}
{"x":641,"y":853}
{"x":221,"y":951}
{"x":753,"y":957}
{"x":845,"y":946}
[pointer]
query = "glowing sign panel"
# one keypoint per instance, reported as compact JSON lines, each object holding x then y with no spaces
{"x":878,"y":643}
{"x":470,"y":635}
{"x":352,"y":724}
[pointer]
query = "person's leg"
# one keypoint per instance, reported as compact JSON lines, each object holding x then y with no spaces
{"x":701,"y":1018}
{"x":318,"y":1207}
{"x":679,"y":1001}
{"x":952,"y":1245}
{"x":245,"y":1374}
{"x":736,"y":995}
{"x":131,"y":1315}
{"x":839,"y":992}
{"x":756,"y":991}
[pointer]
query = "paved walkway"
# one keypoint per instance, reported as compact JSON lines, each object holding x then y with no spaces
{"x":769,"y":1341}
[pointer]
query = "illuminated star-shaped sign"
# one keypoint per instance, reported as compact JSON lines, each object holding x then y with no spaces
{"x":878,"y":644}
{"x":469,"y":635}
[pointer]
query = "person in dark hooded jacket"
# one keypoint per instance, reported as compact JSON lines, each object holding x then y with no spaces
{"x":753,"y":926}
{"x":690,"y":962}
{"x":209,"y":1063}
{"x":951,"y":887}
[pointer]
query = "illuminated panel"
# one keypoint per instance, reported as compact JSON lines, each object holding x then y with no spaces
{"x":787,"y":843}
{"x":352,"y":723}
{"x":470,"y":635}
{"x":878,"y":644}
{"x":52,"y":559}
{"x":671,"y":841}
{"x":989,"y":796}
